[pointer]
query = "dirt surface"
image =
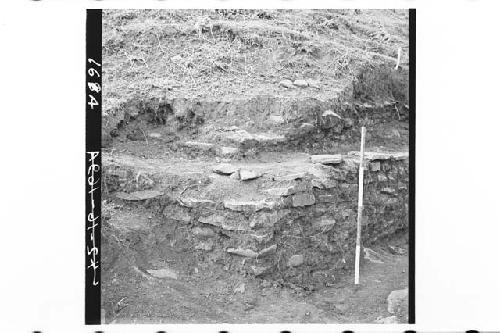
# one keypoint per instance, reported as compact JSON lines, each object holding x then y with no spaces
{"x":209,"y":294}
{"x":229,"y":193}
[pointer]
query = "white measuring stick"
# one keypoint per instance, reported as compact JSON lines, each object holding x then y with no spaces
{"x":399,"y":59}
{"x":360,"y":206}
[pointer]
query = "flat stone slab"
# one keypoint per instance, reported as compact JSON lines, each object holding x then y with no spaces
{"x":330,"y":113}
{"x":326,"y":159}
{"x":243,"y":252}
{"x":240,"y":136}
{"x":301,"y":83}
{"x":163,"y":273}
{"x":227,"y":151}
{"x":139,"y":195}
{"x":373,"y":156}
{"x":198,"y":203}
{"x":199,"y":145}
{"x":246,"y":174}
{"x":248,"y":206}
{"x":226,"y":221}
{"x":225,"y":169}
{"x":289,"y":189}
{"x":267,"y":251}
{"x":293,"y":176}
{"x":286,"y":83}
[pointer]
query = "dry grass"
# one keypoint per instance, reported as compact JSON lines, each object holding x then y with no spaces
{"x":224,"y":53}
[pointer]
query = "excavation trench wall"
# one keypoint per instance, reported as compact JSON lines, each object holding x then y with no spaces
{"x":301,"y":230}
{"x":376,"y":96}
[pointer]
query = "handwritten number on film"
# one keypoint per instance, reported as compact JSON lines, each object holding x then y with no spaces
{"x":94,"y":87}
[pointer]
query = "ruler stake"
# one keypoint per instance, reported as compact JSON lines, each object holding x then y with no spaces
{"x":360,"y":205}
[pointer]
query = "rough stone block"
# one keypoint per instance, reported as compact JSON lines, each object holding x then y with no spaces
{"x":303,"y":199}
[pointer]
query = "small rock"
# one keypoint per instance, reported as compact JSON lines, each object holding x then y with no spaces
{"x":303,"y":199}
{"x":330,"y":113}
{"x":327,"y":198}
{"x":205,"y":246}
{"x":259,"y":270}
{"x":225,"y":169}
{"x":154,"y":135}
{"x":326,"y":159}
{"x":176,"y":58}
{"x":313,"y":83}
{"x":395,"y":134}
{"x":301,"y":83}
{"x":246,"y":174}
{"x":163,"y":273}
{"x":296,"y":260}
{"x":286,"y":83}
{"x":388,"y":190}
{"x":397,"y":301}
{"x":307,"y":127}
{"x":267,"y":251}
{"x":243,"y":252}
{"x":387,"y":320}
{"x":375,"y":166}
{"x":381,"y":177}
{"x":203,"y":232}
{"x":341,"y":307}
{"x":240,"y":289}
{"x":372,"y":256}
{"x":203,"y":146}
{"x":228,"y":151}
{"x":177,"y":213}
{"x":277,"y":119}
{"x":397,"y":250}
{"x":324,"y":223}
